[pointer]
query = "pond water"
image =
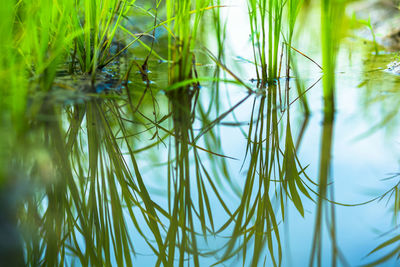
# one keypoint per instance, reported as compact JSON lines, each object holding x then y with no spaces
{"x":134,"y":173}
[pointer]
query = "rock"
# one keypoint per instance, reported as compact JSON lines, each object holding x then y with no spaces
{"x":384,"y":16}
{"x":392,"y":40}
{"x":394,"y":67}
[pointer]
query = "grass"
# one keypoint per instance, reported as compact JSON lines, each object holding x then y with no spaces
{"x":89,"y":200}
{"x":331,"y":16}
{"x":265,"y":27}
{"x":267,"y":20}
{"x":181,"y":237}
{"x":99,"y":26}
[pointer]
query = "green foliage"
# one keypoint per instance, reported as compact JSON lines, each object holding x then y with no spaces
{"x":91,"y":202}
{"x":98,"y":22}
{"x":265,"y":40}
{"x":331,"y":34}
{"x":331,"y":22}
{"x":266,"y":24}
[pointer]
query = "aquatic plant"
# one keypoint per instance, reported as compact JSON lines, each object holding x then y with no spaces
{"x":331,"y":16}
{"x":265,"y":41}
{"x":98,"y":23}
{"x":181,"y":235}
{"x":12,"y":100}
{"x":73,"y":171}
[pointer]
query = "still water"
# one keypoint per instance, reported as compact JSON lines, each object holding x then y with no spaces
{"x":220,"y":176}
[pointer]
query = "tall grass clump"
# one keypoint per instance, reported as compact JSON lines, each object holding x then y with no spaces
{"x":98,"y":23}
{"x":45,"y":37}
{"x":183,"y":19}
{"x":13,"y":88}
{"x":266,"y":26}
{"x":73,"y":210}
{"x":293,"y":9}
{"x":331,"y":33}
{"x":186,"y":212}
{"x":331,"y":26}
{"x":33,"y":45}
